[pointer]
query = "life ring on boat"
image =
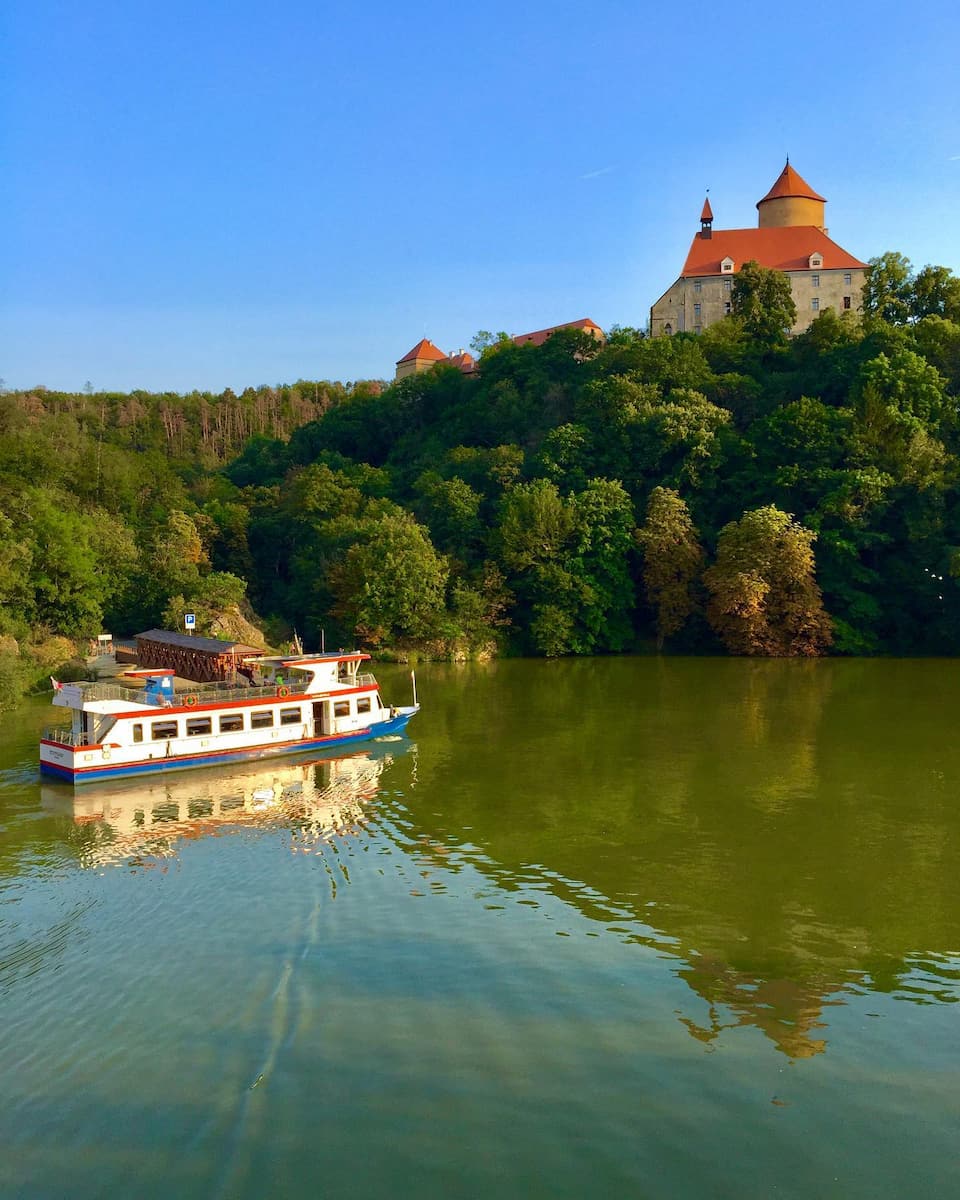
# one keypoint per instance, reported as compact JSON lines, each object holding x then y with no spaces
{"x":190,"y":701}
{"x":283,"y":690}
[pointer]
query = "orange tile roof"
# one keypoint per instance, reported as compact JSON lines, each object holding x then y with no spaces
{"x":707,"y":214}
{"x":463,"y":362}
{"x":786,"y":248}
{"x":539,"y":336}
{"x":789,"y":183}
{"x":424,"y":349}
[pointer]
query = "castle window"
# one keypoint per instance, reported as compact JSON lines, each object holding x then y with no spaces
{"x":847,"y":279}
{"x":816,"y":260}
{"x":726,"y":308}
{"x":815,"y":280}
{"x":697,"y":285}
{"x":698,"y":329}
{"x":726,"y":266}
{"x":846,"y":302}
{"x":696,"y":310}
{"x":727,"y":284}
{"x":815,"y":304}
{"x":668,"y":329}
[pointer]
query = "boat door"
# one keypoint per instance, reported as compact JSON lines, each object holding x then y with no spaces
{"x":321,"y":718}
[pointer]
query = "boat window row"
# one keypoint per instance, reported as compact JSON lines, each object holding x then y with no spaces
{"x":203,"y":726}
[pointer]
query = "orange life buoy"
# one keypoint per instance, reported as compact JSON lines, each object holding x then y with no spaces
{"x":190,"y":701}
{"x":283,"y":690}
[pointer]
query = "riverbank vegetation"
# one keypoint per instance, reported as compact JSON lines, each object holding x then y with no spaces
{"x":736,"y":490}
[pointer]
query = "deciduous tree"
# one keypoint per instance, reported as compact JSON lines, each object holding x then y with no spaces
{"x":672,"y":561}
{"x":764,"y":599}
{"x":762,"y":299}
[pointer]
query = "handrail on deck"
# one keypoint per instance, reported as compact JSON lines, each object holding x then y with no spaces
{"x":65,"y":736}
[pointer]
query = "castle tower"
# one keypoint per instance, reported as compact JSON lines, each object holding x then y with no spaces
{"x":791,"y":201}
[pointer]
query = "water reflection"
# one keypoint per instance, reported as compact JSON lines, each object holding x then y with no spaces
{"x":142,"y":821}
{"x":788,"y":832}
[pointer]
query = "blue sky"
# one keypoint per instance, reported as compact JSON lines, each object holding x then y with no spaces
{"x":231,"y":194}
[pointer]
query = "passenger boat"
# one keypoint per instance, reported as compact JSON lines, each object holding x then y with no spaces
{"x":293,"y":705}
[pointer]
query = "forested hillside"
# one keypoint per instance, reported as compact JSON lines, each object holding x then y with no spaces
{"x":735,"y":490}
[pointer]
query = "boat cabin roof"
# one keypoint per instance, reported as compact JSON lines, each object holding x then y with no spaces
{"x":308,"y":661}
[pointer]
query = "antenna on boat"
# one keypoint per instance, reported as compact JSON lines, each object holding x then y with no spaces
{"x":413,"y":680}
{"x":323,"y":643}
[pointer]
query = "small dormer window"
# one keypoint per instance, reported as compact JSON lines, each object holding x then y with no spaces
{"x":816,"y":260}
{"x":726,"y":265}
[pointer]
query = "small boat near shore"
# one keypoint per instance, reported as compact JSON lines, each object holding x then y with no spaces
{"x":294,"y":705}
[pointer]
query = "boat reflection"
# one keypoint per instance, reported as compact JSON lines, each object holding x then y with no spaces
{"x":150,"y":819}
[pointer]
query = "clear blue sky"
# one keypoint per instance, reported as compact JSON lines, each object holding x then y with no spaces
{"x":202,"y":195}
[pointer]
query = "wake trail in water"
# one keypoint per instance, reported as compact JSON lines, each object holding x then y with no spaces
{"x":284,"y":1004}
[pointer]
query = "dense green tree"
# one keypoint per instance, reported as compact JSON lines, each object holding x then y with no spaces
{"x":535,"y":525}
{"x":935,"y":292}
{"x":886,"y":293}
{"x":451,"y":510}
{"x":764,"y":599}
{"x":672,"y":562}
{"x":762,"y":299}
{"x":391,"y":586}
{"x":599,"y":559}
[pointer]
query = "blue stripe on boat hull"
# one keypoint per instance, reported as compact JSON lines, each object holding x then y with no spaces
{"x":156,"y":765}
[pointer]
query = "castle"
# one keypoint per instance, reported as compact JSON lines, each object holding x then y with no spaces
{"x":790,"y":237}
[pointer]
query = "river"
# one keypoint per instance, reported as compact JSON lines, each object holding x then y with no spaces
{"x":658,"y":928}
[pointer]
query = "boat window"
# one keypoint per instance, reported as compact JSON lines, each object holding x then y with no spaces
{"x":138,"y":733}
{"x":363,"y":704}
{"x":163,"y":729}
{"x":231,"y":722}
{"x":341,"y":708}
{"x":290,"y":716}
{"x":199,"y":725}
{"x":261,"y":718}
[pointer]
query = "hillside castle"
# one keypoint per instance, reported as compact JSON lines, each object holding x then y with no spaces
{"x":791,"y":236}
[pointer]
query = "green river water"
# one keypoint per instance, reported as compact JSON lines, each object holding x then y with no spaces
{"x":630,"y":927}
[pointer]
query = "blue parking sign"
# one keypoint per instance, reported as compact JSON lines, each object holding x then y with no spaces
{"x":189,"y":620}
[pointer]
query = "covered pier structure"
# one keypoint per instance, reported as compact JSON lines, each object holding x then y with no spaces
{"x":202,"y":659}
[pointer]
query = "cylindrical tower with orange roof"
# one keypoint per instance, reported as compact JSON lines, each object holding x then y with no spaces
{"x":791,"y":201}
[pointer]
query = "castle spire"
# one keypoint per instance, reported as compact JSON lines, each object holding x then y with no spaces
{"x":706,"y":219}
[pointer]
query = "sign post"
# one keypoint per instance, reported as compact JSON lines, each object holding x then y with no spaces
{"x":190,"y":622}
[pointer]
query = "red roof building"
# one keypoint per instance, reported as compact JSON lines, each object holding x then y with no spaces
{"x":425,"y":355}
{"x":790,"y":237}
{"x":539,"y":336}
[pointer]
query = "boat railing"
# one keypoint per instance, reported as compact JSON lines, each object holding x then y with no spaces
{"x":366,"y":680}
{"x":64,"y":736}
{"x":217,"y":693}
{"x":205,"y":693}
{"x":109,"y":691}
